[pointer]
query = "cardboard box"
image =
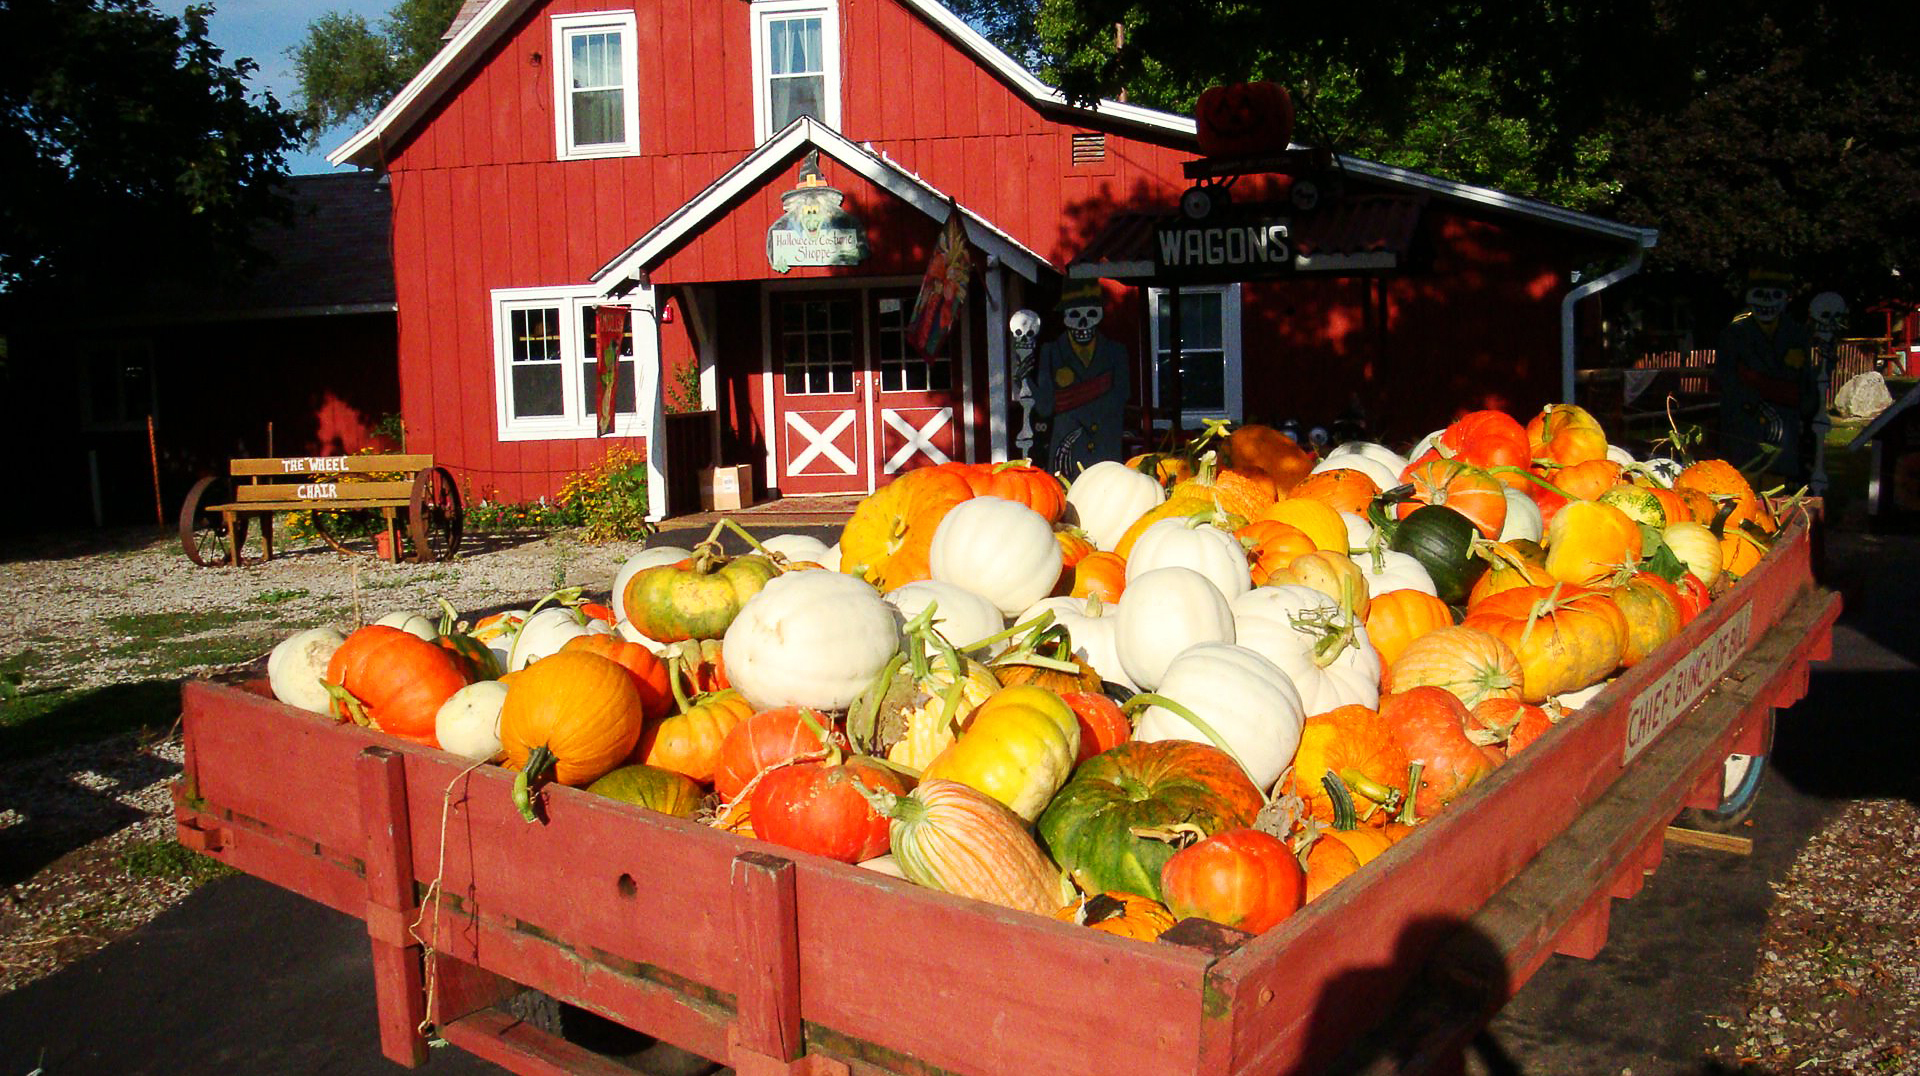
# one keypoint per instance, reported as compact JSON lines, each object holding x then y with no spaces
{"x":723,"y":489}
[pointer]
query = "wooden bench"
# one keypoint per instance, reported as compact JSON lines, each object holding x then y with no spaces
{"x":219,"y":510}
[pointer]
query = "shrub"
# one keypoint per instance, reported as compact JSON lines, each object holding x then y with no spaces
{"x":611,"y":497}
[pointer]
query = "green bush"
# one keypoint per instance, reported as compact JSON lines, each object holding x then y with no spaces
{"x":610,"y":498}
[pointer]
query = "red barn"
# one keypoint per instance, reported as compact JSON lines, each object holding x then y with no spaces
{"x":563,"y":154}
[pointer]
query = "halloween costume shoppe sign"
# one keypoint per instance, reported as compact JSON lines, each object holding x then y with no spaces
{"x":815,"y":228}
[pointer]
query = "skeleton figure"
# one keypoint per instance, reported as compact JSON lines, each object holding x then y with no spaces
{"x":1769,"y":383}
{"x":1025,"y":327}
{"x":1081,"y":386}
{"x":1828,"y":313}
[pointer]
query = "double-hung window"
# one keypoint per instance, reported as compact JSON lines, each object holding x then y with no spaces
{"x":596,"y":82}
{"x":1209,"y":351}
{"x":796,"y":61}
{"x":545,"y":366}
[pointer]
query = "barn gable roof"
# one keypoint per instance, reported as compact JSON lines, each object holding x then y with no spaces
{"x":774,"y":155}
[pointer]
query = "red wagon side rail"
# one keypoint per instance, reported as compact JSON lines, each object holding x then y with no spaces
{"x":778,"y":961}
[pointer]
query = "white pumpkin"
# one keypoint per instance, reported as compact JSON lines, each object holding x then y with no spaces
{"x":413,"y":624}
{"x":1359,"y":530}
{"x":633,"y":635}
{"x":1107,"y":498}
{"x":1574,"y":700}
{"x":1697,"y":548}
{"x":499,"y":631}
{"x":1162,"y":613}
{"x":1330,"y":661}
{"x":1424,"y":445}
{"x":1619,"y":455}
{"x":297,"y":666}
{"x":1188,"y":543}
{"x":999,"y":549}
{"x":1244,"y":699}
{"x":799,"y":547}
{"x":543,"y":634}
{"x":468,"y":723}
{"x":646,"y":558}
{"x":831,"y":559}
{"x":1093,"y":626}
{"x":1661,"y":469}
{"x":810,"y":639}
{"x":1393,"y":571}
{"x":960,"y":615}
{"x":1523,"y":517}
{"x":1378,"y":462}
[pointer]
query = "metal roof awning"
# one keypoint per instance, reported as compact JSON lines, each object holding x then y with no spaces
{"x":1369,"y":233}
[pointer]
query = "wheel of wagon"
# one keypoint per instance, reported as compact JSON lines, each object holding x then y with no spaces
{"x":435,"y":517}
{"x":203,"y":533}
{"x":1741,"y":777}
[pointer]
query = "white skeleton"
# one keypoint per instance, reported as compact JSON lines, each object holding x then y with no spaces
{"x":1767,"y":301}
{"x":1081,"y":321}
{"x":1828,"y":313}
{"x":1025,"y":327}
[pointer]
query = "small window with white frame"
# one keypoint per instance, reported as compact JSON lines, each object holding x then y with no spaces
{"x":796,"y":64}
{"x":596,"y":85}
{"x":545,"y":364}
{"x":1209,"y":351}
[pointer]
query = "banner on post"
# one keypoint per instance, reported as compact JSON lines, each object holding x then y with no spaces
{"x":943,"y":291}
{"x":610,"y":328}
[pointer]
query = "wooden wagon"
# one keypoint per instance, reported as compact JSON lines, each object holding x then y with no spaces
{"x":781,"y":962}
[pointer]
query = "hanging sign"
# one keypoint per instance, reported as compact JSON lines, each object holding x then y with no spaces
{"x":1240,"y":248}
{"x":814,"y":228}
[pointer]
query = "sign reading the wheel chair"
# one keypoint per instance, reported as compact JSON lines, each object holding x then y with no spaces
{"x":1209,"y":244}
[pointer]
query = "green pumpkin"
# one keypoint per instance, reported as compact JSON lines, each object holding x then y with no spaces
{"x":1441,"y":539}
{"x":696,"y":598}
{"x":653,"y":788}
{"x":1089,"y":826}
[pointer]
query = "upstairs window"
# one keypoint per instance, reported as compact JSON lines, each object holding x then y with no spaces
{"x":796,"y":57}
{"x":596,"y":79}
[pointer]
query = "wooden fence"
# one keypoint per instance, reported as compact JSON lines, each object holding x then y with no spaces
{"x":1855,"y":357}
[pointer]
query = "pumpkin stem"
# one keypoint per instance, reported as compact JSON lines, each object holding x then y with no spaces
{"x":888,"y":804}
{"x":1546,"y":607}
{"x":1180,"y":834}
{"x":1385,"y":795}
{"x":1508,"y":468}
{"x":1330,"y":637}
{"x":569,"y":597}
{"x":448,"y":617}
{"x":1034,"y":625}
{"x":1342,"y":802}
{"x":346,"y":705}
{"x":1150,"y":698}
{"x":1406,"y":815}
{"x":863,"y":724}
{"x":676,"y":668}
{"x":539,"y":761}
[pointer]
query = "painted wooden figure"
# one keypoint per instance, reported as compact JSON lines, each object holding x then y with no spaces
{"x":1081,"y":386}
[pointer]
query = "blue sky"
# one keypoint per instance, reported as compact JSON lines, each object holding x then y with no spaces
{"x":265,"y":30}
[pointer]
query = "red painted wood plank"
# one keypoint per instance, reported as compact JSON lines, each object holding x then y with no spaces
{"x":766,"y":926}
{"x":736,"y":128}
{"x":285,"y":860}
{"x":498,"y":1037}
{"x":238,"y":736}
{"x":398,"y":980}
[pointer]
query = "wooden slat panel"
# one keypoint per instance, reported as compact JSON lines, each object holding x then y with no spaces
{"x":324,"y":493}
{"x":301,"y":466}
{"x":261,"y":758}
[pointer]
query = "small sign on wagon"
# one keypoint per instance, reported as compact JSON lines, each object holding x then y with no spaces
{"x":1684,"y":685}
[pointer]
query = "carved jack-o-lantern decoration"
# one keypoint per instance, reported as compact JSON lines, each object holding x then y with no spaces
{"x":1244,"y":118}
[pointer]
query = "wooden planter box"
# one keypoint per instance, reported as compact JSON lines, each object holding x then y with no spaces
{"x":778,"y":961}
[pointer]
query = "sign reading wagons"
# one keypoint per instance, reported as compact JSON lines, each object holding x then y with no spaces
{"x":1228,"y":250}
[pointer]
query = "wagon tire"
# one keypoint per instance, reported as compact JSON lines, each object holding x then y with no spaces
{"x":204,"y":534}
{"x":1737,"y":802}
{"x":435,"y":516}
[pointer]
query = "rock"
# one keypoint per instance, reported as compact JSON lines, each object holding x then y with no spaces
{"x":1863,"y":396}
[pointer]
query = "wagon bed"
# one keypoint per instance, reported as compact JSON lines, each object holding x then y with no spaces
{"x":777,"y":961}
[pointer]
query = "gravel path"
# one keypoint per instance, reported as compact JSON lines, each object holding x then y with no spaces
{"x":1836,"y":991}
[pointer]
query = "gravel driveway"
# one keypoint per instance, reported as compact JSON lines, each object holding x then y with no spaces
{"x":85,"y":832}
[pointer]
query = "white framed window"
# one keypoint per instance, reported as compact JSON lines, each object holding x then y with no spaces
{"x":544,"y":365}
{"x":1209,"y":350}
{"x":796,"y":64}
{"x":596,"y":79}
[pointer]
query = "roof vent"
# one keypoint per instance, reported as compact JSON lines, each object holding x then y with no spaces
{"x":1089,"y":148}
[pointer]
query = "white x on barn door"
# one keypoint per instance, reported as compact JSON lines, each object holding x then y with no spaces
{"x":816,"y":444}
{"x":914,"y":440}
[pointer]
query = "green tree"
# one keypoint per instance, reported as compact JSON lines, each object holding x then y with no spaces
{"x":349,"y":69}
{"x":126,"y":132}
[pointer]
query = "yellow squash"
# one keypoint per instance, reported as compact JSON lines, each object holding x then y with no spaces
{"x":1019,"y":749}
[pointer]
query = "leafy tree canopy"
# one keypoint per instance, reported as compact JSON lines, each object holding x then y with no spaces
{"x":126,"y":132}
{"x":349,"y":69}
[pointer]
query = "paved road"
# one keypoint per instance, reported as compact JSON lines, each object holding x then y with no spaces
{"x":244,"y":977}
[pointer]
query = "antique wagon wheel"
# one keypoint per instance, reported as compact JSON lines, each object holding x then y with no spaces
{"x":435,"y":517}
{"x":204,"y":534}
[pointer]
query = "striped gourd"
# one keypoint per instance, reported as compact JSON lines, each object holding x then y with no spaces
{"x":950,"y":837}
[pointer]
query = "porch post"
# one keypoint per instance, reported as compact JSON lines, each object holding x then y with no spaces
{"x":998,"y":398}
{"x":644,"y":304}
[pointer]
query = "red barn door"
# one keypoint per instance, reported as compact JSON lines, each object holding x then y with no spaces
{"x":916,"y":415}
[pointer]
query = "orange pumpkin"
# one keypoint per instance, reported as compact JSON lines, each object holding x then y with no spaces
{"x":1167,"y":468}
{"x":1486,"y":439}
{"x":1124,"y":915}
{"x":1462,"y":487}
{"x":1263,"y":450}
{"x":1468,"y":663}
{"x":1584,"y":481}
{"x":1075,"y":546}
{"x":1652,"y":617}
{"x":1353,"y":745}
{"x":1241,"y":119}
{"x":1336,"y":854}
{"x":650,"y":674}
{"x":1566,"y":435}
{"x":1239,"y":493}
{"x":1398,"y":617}
{"x":1566,"y":637}
{"x":1017,"y":481}
{"x":1740,"y":551}
{"x":394,"y":681}
{"x":1431,"y":727}
{"x":1672,"y":504}
{"x":1100,"y":575}
{"x":1271,"y":546}
{"x":1722,"y":481}
{"x":1514,"y":564}
{"x":691,"y":740}
{"x":1518,"y":723}
{"x":887,"y":538}
{"x":573,"y":712}
{"x":1320,"y":523}
{"x":1589,"y":541}
{"x":1342,"y":489}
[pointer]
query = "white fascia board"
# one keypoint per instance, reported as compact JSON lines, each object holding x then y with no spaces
{"x":424,"y":90}
{"x":1532,"y":208}
{"x":773,"y":155}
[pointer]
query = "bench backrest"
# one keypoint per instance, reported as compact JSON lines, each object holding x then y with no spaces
{"x":316,"y":478}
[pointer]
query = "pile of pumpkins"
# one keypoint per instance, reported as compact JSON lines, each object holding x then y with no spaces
{"x":1211,"y":683}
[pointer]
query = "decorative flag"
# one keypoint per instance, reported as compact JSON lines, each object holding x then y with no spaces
{"x":609,"y":336}
{"x":943,"y":291}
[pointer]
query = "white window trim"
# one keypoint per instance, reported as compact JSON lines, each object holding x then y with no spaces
{"x":565,"y":26}
{"x":764,"y":10}
{"x":577,"y":421}
{"x":1229,"y":346}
